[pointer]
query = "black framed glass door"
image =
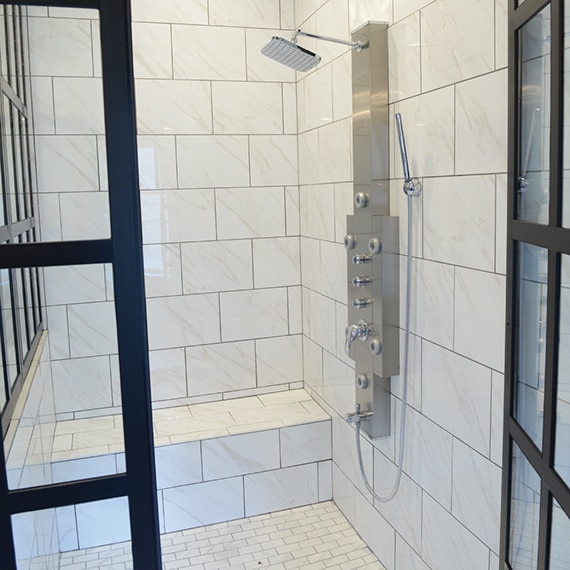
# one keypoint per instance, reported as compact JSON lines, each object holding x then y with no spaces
{"x":116,"y":255}
{"x":536,"y":454}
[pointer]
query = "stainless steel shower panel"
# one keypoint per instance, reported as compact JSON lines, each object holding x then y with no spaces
{"x":372,"y":237}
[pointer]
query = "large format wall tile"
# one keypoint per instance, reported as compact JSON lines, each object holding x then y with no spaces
{"x":171,"y":11}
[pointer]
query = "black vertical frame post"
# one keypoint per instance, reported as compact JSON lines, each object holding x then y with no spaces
{"x":128,"y":276}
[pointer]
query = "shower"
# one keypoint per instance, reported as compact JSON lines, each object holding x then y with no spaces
{"x":291,"y":54}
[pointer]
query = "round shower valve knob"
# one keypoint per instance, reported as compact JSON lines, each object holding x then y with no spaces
{"x":374,"y":245}
{"x":349,"y":241}
{"x":360,"y":200}
{"x":375,"y":345}
{"x":362,"y":381}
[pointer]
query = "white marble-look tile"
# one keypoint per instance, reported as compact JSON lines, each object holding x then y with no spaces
{"x":240,"y":454}
{"x":218,"y":53}
{"x":217,"y":266}
{"x":67,"y":529}
{"x":167,"y":374}
{"x":162,"y":270}
{"x":157,"y":162}
{"x":431,"y":314}
{"x":246,"y":13}
{"x":178,"y":216}
{"x":467,"y":237}
{"x":279,"y":360}
{"x":404,"y":512}
{"x":414,"y":371}
{"x":404,"y":58}
{"x":308,"y":144}
{"x":247,"y":108}
{"x":310,"y":266}
{"x":497,"y":411}
{"x":334,"y":152}
{"x":446,"y":543}
{"x":361,"y":11}
{"x":305,"y":443}
{"x":322,"y":321}
{"x":325,"y":480}
{"x":84,"y":468}
{"x":43,"y":111}
{"x":457,"y":41}
{"x":179,"y":464}
{"x":66,"y":163}
{"x":481,"y":124}
{"x":75,"y":284}
{"x":183,"y":321}
{"x":171,"y":11}
{"x":152,"y":51}
{"x":281,"y":489}
{"x":501,"y":225}
{"x":295,"y":309}
{"x":501,"y":34}
{"x":78,"y":103}
{"x":50,"y":220}
{"x":427,"y":456}
{"x":292,"y":210}
{"x":428,"y":122}
{"x":220,"y":368}
{"x":60,"y":47}
{"x":85,"y":215}
{"x":480,"y":317}
{"x":92,"y":329}
{"x":315,"y":99}
{"x":214,"y":161}
{"x":289,"y":93}
{"x":250,"y":212}
{"x":318,"y":212}
{"x":253,"y":314}
{"x":333,"y":271}
{"x":406,"y":557}
{"x":342,"y":87}
{"x":190,"y":506}
{"x":273,"y":160}
{"x":477,"y":494}
{"x":457,"y":395}
{"x":343,"y":206}
{"x":185,"y":107}
{"x":261,"y":67}
{"x":276,"y":262}
{"x":58,"y":332}
{"x":332,"y":17}
{"x":81,"y":384}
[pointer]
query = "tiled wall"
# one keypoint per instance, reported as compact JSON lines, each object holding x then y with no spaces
{"x":217,"y":127}
{"x":448,"y":79}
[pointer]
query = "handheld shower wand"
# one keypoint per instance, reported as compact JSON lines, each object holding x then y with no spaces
{"x":412,"y":186}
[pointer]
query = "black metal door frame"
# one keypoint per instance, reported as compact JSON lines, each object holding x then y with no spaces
{"x":556,"y":240}
{"x":124,"y":251}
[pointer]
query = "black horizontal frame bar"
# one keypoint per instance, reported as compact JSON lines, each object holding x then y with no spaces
{"x":557,"y":239}
{"x":527,"y":10}
{"x":58,"y":4}
{"x":548,"y":476}
{"x":67,"y":494}
{"x":51,"y":254}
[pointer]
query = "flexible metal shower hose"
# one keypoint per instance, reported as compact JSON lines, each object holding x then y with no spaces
{"x":396,"y":486}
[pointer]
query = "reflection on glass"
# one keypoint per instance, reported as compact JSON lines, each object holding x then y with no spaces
{"x":535,"y":119}
{"x":559,"y":539}
{"x":9,"y":164}
{"x":12,"y":367}
{"x":531,"y":333}
{"x":101,"y":525}
{"x":71,"y":417}
{"x":525,"y":513}
{"x":562,"y":441}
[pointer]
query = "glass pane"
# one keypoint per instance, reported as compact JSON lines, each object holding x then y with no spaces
{"x":562,"y":457}
{"x":566,"y":121}
{"x":90,"y":535}
{"x":20,"y":310}
{"x":531,"y":335}
{"x":560,"y":539}
{"x":525,"y":513}
{"x":534,"y":93}
{"x":3,"y":50}
{"x":8,"y":326}
{"x":17,"y":145}
{"x":9,"y":167}
{"x":10,"y":45}
{"x":70,"y":420}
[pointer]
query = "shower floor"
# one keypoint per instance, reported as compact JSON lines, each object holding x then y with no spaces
{"x":310,"y":538}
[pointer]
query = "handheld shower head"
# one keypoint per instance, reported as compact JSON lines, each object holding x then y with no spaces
{"x":290,"y":54}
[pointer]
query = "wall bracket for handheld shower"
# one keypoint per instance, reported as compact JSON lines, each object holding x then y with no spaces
{"x":357,"y":46}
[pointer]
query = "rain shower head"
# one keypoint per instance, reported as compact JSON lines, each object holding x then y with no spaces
{"x":290,"y":54}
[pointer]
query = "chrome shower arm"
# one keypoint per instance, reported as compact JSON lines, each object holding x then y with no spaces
{"x":358,"y":46}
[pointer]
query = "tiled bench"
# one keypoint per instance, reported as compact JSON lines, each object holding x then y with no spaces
{"x":215,"y":462}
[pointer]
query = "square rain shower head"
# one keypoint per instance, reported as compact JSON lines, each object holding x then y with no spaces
{"x":290,"y":54}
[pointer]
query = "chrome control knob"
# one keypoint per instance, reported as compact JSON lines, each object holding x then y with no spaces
{"x":374,"y":245}
{"x":361,"y":302}
{"x":361,"y":258}
{"x":349,"y":241}
{"x":361,"y":280}
{"x":375,"y":345}
{"x":360,"y":200}
{"x":362,"y":381}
